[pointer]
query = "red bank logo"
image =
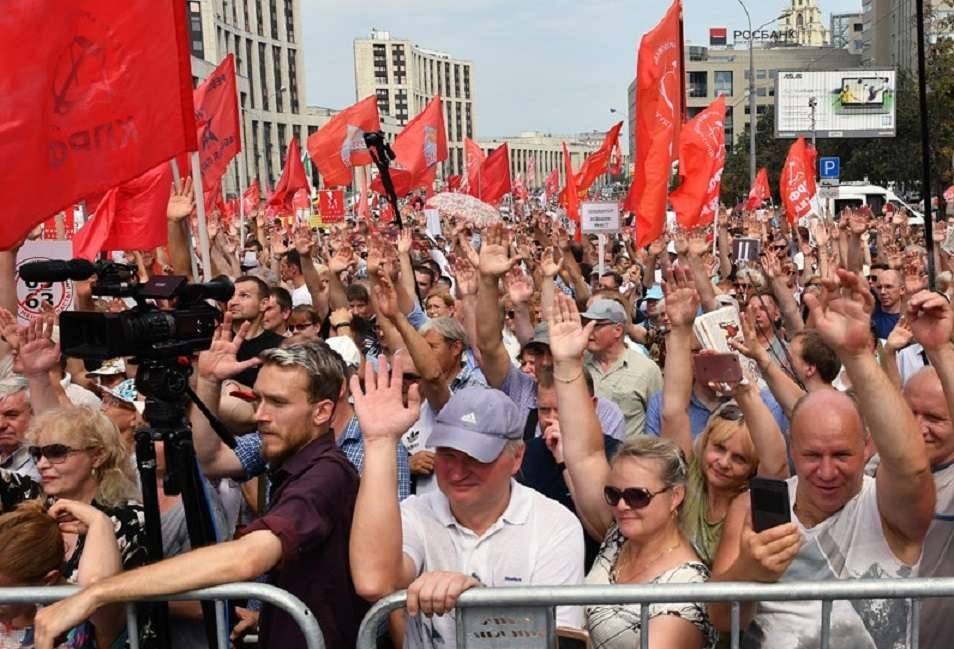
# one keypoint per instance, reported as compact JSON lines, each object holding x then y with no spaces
{"x":717,"y":35}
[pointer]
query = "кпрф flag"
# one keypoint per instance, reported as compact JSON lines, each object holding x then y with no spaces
{"x":217,"y":122}
{"x":93,"y":93}
{"x":418,"y":149}
{"x":339,"y":145}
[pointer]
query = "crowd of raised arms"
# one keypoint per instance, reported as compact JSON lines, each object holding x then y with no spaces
{"x":439,"y":409}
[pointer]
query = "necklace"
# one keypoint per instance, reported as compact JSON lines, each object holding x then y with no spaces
{"x":631,"y":563}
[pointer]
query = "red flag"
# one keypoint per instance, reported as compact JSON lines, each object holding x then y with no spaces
{"x":811,"y":164}
{"x":131,"y":216}
{"x":252,"y":197}
{"x":793,"y":183}
{"x":79,"y":113}
{"x":454,"y":183}
{"x":418,"y":148}
{"x":331,"y":205}
{"x":659,"y":110}
{"x":597,"y":163}
{"x":552,"y":184}
{"x":531,"y":171}
{"x":301,"y":200}
{"x":339,"y":145}
{"x":495,"y":175}
{"x":217,"y":121}
{"x":519,"y":189}
{"x":572,"y":198}
{"x":701,"y":159}
{"x":760,"y":191}
{"x":293,"y":178}
{"x":213,"y":196}
{"x":473,"y":158}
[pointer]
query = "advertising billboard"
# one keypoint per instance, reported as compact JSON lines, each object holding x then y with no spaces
{"x":848,"y":103}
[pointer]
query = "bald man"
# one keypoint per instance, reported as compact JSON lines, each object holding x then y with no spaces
{"x":930,"y":393}
{"x":845,"y":525}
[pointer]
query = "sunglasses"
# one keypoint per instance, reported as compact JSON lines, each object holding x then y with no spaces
{"x":634,"y":497}
{"x":729,"y":412}
{"x":54,"y":453}
{"x":299,"y":327}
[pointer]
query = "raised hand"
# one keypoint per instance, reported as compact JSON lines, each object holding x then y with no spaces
{"x":770,"y":265}
{"x":901,"y":336}
{"x":405,"y":241}
{"x":842,"y":314}
{"x":931,"y":319}
{"x":304,"y":241}
{"x":658,"y":246}
{"x":682,"y":299}
{"x":568,"y":336}
{"x":552,"y":262}
{"x":495,"y":259}
{"x":37,"y":353}
{"x":385,"y":297}
{"x":181,"y":200}
{"x":698,"y":245}
{"x":467,"y":279}
{"x":519,"y":287}
{"x":819,"y":232}
{"x":9,"y":330}
{"x":750,"y":345}
{"x":681,"y":242}
{"x":342,"y":260}
{"x":219,"y":361}
{"x":857,"y":223}
{"x":765,"y":556}
{"x":380,"y":405}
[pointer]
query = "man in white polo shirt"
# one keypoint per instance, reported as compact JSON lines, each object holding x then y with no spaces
{"x":480,"y":528}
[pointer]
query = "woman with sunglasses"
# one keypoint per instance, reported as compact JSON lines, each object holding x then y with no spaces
{"x":32,"y":552}
{"x":80,"y":457}
{"x":740,"y":440}
{"x":630,"y":503}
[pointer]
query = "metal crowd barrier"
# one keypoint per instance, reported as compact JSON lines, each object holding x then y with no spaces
{"x":522,"y":617}
{"x":272,"y":595}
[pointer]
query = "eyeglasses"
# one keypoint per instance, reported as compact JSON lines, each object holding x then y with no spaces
{"x":634,"y":497}
{"x":299,"y":327}
{"x":54,"y":453}
{"x":729,"y":412}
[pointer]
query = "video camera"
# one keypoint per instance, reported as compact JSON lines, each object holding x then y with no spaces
{"x":144,"y":331}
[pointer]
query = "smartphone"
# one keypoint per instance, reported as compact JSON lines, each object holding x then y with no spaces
{"x":717,"y":367}
{"x":770,"y":504}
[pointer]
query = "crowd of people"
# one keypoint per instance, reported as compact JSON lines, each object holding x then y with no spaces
{"x":438,"y":410}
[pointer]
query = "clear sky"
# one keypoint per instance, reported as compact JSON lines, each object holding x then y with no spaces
{"x":556,"y":66}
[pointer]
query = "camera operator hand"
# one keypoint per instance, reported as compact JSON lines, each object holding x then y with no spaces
{"x":219,"y":361}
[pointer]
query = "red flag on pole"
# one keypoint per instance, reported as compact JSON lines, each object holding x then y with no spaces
{"x":572,"y":198}
{"x":217,"y":121}
{"x":701,"y":159}
{"x":473,"y":158}
{"x":495,"y":175}
{"x":339,"y":145}
{"x":293,"y":178}
{"x":793,"y":183}
{"x":131,"y":216}
{"x":79,"y":114}
{"x":519,"y":188}
{"x":659,"y":111}
{"x":252,"y":197}
{"x":418,"y":149}
{"x":552,"y":184}
{"x":597,"y":163}
{"x":811,"y":164}
{"x":760,"y":191}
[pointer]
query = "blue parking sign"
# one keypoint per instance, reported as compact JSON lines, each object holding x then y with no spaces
{"x":829,"y":167}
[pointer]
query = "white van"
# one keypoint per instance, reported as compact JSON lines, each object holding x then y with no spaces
{"x":856,"y":194}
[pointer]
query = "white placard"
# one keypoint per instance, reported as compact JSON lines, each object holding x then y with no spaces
{"x":600,"y":217}
{"x":433,"y":222}
{"x":32,"y":296}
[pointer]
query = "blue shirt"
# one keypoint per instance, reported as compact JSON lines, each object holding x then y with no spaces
{"x":248,"y":450}
{"x":699,"y":414}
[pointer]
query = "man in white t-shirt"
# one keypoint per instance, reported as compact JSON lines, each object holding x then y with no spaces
{"x":292,"y":273}
{"x":845,"y":525}
{"x":480,"y":528}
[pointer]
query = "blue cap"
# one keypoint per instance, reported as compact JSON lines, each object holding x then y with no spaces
{"x":477,"y":421}
{"x":654,"y":292}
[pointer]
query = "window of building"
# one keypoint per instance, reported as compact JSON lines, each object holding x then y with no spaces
{"x":246,"y":25}
{"x":692,"y":111}
{"x":195,"y":29}
{"x":279,"y":86}
{"x":248,"y":70}
{"x":269,"y":147}
{"x":698,"y":84}
{"x":255,"y":148}
{"x":282,"y":143}
{"x":723,"y":82}
{"x":384,"y":100}
{"x":259,"y":18}
{"x":447,"y":77}
{"x":273,"y":10}
{"x":467,"y":89}
{"x":760,"y":92}
{"x":263,"y":76}
{"x":293,"y":81}
{"x":469,"y":126}
{"x":760,"y":74}
{"x":290,"y":21}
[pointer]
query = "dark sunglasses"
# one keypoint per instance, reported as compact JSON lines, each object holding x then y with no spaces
{"x":634,"y":497}
{"x":54,"y":453}
{"x":299,"y":327}
{"x":729,"y":412}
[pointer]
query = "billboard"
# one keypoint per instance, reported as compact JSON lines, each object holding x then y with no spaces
{"x":848,"y":103}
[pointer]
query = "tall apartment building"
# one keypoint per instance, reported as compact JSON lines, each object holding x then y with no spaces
{"x":890,"y":30}
{"x":266,"y":38}
{"x":404,"y":77}
{"x":805,"y":19}
{"x":535,"y":155}
{"x":847,"y":32}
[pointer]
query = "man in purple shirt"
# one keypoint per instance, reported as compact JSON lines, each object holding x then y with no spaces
{"x":301,"y":542}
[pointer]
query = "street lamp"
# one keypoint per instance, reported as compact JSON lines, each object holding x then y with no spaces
{"x":752,"y":111}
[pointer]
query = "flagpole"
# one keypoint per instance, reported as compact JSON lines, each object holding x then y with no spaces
{"x":241,"y":202}
{"x":200,"y":212}
{"x":176,"y":177}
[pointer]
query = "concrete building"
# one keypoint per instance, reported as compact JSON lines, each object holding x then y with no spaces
{"x":889,"y":31}
{"x":805,"y":18}
{"x":405,"y":76}
{"x":847,"y":32}
{"x":535,"y":155}
{"x":266,"y":38}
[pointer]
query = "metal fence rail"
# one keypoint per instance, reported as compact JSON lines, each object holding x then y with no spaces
{"x":246,"y":590}
{"x":543,"y":598}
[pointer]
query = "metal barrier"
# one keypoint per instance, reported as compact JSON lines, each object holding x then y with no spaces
{"x":520,"y":617}
{"x":275,"y":596}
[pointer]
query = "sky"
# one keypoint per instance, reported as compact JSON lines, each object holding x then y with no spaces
{"x":556,"y":66}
